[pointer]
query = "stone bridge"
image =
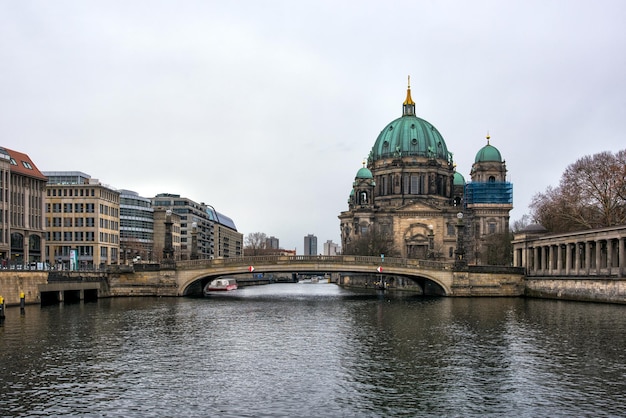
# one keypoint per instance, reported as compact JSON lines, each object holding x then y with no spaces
{"x":441,"y":277}
{"x":187,"y":278}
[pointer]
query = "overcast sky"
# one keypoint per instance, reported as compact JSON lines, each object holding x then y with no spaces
{"x":266,"y":109}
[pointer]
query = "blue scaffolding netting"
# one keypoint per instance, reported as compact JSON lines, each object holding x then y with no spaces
{"x":491,"y":192}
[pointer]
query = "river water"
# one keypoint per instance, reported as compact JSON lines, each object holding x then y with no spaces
{"x":314,"y":350}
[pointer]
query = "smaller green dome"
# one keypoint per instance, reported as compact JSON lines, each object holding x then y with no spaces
{"x":364,"y":173}
{"x":458,"y":179}
{"x":488,"y":153}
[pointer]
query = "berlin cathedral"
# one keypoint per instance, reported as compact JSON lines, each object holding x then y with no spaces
{"x":409,"y":188}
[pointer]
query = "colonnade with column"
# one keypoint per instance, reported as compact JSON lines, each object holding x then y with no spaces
{"x":598,"y":252}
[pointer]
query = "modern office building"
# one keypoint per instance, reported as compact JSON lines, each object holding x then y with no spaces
{"x":136,"y":227}
{"x":228,"y":242}
{"x":190,"y":213}
{"x":310,"y":245}
{"x":22,"y":197}
{"x":82,"y":221}
{"x":330,"y":248}
{"x":272,"y":243}
{"x":410,"y":190}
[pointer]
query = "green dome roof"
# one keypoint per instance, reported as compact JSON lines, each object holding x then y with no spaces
{"x":458,"y":179}
{"x":364,"y":173}
{"x":488,"y":153}
{"x":410,"y":136}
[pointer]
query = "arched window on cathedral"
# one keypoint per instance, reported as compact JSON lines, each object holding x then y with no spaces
{"x":363,"y":198}
{"x":492,"y":179}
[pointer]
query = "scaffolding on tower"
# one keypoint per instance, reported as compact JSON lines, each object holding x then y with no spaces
{"x":499,"y":192}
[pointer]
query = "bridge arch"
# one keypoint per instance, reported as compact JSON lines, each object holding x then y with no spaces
{"x":191,"y":274}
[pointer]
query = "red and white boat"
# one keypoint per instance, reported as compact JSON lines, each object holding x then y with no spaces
{"x":221,"y":285}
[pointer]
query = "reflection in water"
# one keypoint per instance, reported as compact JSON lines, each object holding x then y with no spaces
{"x":314,"y":350}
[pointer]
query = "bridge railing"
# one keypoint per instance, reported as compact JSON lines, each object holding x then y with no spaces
{"x":321,"y":259}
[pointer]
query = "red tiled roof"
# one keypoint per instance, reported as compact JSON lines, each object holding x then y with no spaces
{"x":22,"y":161}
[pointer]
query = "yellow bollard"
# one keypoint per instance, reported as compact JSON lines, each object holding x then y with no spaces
{"x":22,"y":302}
{"x":1,"y":309}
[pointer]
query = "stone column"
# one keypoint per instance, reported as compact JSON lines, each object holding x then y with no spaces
{"x":550,"y":260}
{"x":609,"y":256}
{"x":622,"y":254}
{"x":598,"y":257}
{"x":568,"y":259}
{"x":535,"y":266}
{"x":577,"y":258}
{"x":587,"y":257}
{"x":559,"y":260}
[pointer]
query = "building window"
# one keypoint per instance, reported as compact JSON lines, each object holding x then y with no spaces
{"x":492,"y":227}
{"x":415,"y":185}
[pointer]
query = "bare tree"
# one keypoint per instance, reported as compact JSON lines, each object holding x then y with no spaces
{"x":255,"y":243}
{"x":591,"y":194}
{"x":497,"y":249}
{"x":521,"y":223}
{"x":374,"y":242}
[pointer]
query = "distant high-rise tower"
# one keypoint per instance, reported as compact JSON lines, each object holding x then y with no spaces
{"x":272,"y":243}
{"x":310,"y":245}
{"x":330,"y":248}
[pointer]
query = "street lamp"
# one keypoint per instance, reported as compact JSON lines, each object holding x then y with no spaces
{"x":460,"y":261}
{"x":431,"y":242}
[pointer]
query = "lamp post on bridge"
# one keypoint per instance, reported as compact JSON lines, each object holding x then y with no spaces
{"x":194,"y":240}
{"x":431,"y":243}
{"x":460,"y":261}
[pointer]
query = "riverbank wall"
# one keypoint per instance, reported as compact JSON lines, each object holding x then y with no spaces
{"x":470,"y":281}
{"x":588,"y":289}
{"x":14,"y":282}
{"x":34,"y":284}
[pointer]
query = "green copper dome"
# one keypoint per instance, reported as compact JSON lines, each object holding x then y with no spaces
{"x":409,"y":136}
{"x":364,"y":173}
{"x":458,"y":179}
{"x":488,"y":153}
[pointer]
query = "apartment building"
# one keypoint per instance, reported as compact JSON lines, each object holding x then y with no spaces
{"x":82,"y":221}
{"x":228,"y":241}
{"x":22,"y":187}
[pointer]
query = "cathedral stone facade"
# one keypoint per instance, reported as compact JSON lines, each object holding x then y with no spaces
{"x":409,"y":188}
